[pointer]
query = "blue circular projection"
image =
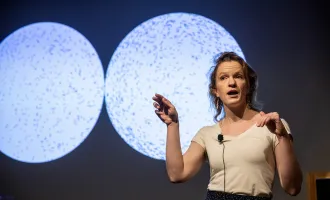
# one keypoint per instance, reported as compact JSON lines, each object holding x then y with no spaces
{"x":51,"y":94}
{"x":170,"y":54}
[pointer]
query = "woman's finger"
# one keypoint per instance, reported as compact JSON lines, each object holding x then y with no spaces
{"x":268,"y":119}
{"x":158,"y":112}
{"x":156,"y":105}
{"x":262,"y":122}
{"x":159,"y":115}
{"x":158,"y":100}
{"x":162,"y":115}
{"x":159,"y":96}
{"x":167,"y":103}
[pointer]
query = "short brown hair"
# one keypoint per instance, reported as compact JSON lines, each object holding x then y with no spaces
{"x":249,"y":74}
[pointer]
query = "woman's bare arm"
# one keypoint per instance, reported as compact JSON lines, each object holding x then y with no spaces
{"x":288,"y":168}
{"x":181,"y":168}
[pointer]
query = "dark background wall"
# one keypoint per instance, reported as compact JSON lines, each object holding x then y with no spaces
{"x":286,"y":42}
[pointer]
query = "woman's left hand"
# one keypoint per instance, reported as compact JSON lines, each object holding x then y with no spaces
{"x":273,"y":122}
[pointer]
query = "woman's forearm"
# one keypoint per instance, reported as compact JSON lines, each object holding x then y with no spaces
{"x":174,"y":158}
{"x":288,"y":166}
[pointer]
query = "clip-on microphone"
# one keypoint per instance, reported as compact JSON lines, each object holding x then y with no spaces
{"x":220,"y":137}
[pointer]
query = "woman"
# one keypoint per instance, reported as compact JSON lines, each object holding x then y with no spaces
{"x":243,"y":148}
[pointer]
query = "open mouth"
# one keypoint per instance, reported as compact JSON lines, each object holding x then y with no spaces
{"x":232,"y":93}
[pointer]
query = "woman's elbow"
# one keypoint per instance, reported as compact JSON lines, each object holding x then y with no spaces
{"x":293,"y":191}
{"x":294,"y":188}
{"x":174,"y":179}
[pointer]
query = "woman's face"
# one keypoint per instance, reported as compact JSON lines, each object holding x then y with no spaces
{"x":231,"y":84}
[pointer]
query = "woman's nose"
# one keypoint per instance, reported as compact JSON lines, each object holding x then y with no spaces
{"x":231,"y":82}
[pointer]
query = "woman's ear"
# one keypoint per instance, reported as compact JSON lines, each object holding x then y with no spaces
{"x":214,"y":91}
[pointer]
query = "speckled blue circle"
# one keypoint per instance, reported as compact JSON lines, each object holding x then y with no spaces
{"x":51,"y":94}
{"x":170,"y":54}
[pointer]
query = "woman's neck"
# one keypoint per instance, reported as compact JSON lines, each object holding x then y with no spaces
{"x":237,"y":114}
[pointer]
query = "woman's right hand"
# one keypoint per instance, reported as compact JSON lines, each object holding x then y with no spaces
{"x":165,"y":110}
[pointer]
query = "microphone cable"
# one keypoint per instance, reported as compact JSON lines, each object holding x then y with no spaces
{"x":220,"y":139}
{"x":224,"y":167}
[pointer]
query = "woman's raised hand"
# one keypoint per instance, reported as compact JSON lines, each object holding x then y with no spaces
{"x":165,"y":110}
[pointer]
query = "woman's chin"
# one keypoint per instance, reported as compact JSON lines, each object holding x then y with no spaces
{"x":234,"y":104}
